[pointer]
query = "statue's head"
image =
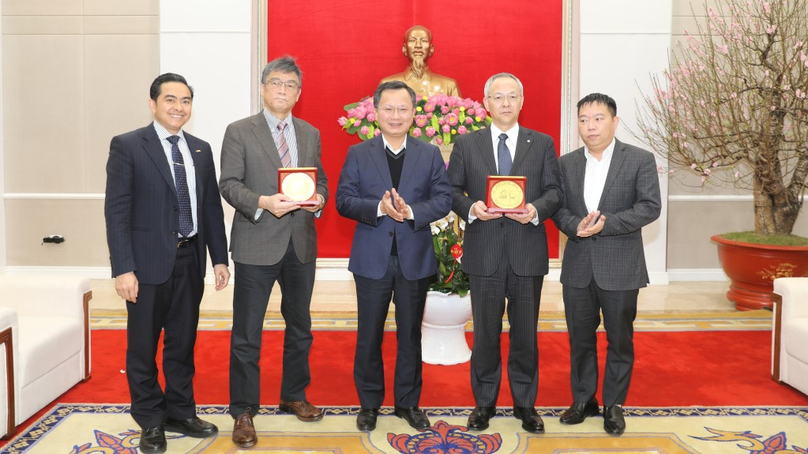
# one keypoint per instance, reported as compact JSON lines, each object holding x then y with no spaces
{"x":418,"y":45}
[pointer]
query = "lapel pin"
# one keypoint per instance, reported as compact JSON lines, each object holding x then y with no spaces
{"x":198,"y":151}
{"x":528,"y":141}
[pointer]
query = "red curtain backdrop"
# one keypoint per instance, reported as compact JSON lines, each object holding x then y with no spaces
{"x":345,"y":48}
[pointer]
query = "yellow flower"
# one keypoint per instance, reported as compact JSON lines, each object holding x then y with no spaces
{"x":454,"y":131}
{"x":418,"y":109}
{"x":478,"y":119}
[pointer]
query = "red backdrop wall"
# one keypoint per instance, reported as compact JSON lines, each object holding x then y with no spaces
{"x":345,"y":48}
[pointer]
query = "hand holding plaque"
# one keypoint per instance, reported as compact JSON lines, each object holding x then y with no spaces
{"x":299,"y":184}
{"x":506,"y":194}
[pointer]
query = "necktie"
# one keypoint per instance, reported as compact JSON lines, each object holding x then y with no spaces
{"x":181,"y":182}
{"x":504,"y":155}
{"x":283,"y":147}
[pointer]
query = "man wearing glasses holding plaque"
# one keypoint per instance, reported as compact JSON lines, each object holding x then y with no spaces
{"x":394,"y":186}
{"x":273,"y":239}
{"x":505,"y":184}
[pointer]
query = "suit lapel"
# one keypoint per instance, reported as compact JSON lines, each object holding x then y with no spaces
{"x":486,"y":144}
{"x":302,"y":144}
{"x":413,"y":154}
{"x":379,"y":158}
{"x":577,"y":176}
{"x":618,"y":156}
{"x":153,"y":147}
{"x":195,"y":147}
{"x":264,"y":137}
{"x":524,"y":140}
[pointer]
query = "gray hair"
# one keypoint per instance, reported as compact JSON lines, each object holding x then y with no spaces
{"x":498,"y":76}
{"x":285,"y":64}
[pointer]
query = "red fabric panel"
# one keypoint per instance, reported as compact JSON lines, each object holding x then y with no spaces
{"x":344,"y":49}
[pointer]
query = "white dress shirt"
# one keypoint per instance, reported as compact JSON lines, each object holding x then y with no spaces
{"x":188,"y":161}
{"x":595,"y":176}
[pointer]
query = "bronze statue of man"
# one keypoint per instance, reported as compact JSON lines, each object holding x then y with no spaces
{"x":418,"y":47}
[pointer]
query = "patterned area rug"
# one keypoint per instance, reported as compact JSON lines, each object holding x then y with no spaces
{"x":85,"y":429}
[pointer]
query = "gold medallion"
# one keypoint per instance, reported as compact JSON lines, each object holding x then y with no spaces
{"x":506,"y":195}
{"x":298,"y":186}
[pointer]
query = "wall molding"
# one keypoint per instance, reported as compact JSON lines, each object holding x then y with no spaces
{"x":697,"y":275}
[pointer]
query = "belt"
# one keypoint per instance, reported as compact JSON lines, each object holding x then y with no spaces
{"x":185,"y":242}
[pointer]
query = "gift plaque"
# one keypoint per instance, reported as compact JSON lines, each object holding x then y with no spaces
{"x":506,"y":194}
{"x":299,"y":184}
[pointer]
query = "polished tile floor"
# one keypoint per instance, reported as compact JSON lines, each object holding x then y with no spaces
{"x":340,"y":296}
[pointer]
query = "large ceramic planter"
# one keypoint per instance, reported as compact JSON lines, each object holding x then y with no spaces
{"x":752,"y":268}
{"x":443,"y":330}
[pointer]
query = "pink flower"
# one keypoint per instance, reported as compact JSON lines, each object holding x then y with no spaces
{"x":462,"y":130}
{"x":357,"y":123}
{"x":446,"y":128}
{"x":469,"y":120}
{"x":444,"y":110}
{"x":371,"y":117}
{"x":360,"y":112}
{"x":420,"y":120}
{"x":439,"y":140}
{"x":441,"y":121}
{"x":377,"y":132}
{"x":416,"y":132}
{"x":364,"y":130}
{"x":429,"y":107}
{"x":342,"y":121}
{"x":452,"y":119}
{"x":430,"y":131}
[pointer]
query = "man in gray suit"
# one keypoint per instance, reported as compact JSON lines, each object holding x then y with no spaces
{"x":505,"y":256}
{"x":611,"y":191}
{"x":273,"y":239}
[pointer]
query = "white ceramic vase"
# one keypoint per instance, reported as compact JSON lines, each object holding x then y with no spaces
{"x":443,"y":333}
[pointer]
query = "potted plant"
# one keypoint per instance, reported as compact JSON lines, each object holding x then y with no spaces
{"x":448,"y":305}
{"x":732,"y":110}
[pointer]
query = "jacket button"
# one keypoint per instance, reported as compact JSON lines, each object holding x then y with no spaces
{"x":175,"y":208}
{"x":389,"y":233}
{"x":173,"y":232}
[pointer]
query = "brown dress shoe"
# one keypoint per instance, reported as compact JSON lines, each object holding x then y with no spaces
{"x":244,"y":431}
{"x":302,"y":409}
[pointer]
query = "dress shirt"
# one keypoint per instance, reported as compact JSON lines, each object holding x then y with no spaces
{"x":188,"y":160}
{"x":595,"y":176}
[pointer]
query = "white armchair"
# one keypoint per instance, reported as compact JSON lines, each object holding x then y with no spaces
{"x":790,"y":332}
{"x":44,"y":342}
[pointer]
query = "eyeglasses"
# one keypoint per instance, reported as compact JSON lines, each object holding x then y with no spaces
{"x":401,"y":110}
{"x":277,"y":83}
{"x":499,"y":99}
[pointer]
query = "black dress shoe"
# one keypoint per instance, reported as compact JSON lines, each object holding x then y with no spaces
{"x":192,"y":427}
{"x":366,"y":419}
{"x":613,"y":421}
{"x":153,"y":440}
{"x":478,"y":419}
{"x":579,"y":411}
{"x":531,"y":421}
{"x":415,"y":417}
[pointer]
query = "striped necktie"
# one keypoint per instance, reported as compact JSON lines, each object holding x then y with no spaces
{"x":283,"y":147}
{"x":181,"y":183}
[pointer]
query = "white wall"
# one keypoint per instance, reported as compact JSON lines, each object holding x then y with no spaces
{"x":2,"y":160}
{"x":621,"y":43}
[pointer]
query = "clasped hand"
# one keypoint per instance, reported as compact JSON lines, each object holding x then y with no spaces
{"x":394,"y":206}
{"x":591,"y":224}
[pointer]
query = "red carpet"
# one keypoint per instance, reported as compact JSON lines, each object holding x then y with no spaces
{"x":700,"y":368}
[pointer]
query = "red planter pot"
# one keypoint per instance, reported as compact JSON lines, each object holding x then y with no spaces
{"x":752,"y":268}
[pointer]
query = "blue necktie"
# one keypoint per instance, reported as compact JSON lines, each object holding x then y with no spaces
{"x":181,"y":182}
{"x":504,"y":155}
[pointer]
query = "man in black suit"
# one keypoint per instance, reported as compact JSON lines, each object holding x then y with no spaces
{"x":505,"y":256}
{"x":611,"y":191}
{"x":163,"y":211}
{"x":394,"y":186}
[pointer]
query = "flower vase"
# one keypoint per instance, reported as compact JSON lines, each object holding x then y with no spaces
{"x":443,"y":330}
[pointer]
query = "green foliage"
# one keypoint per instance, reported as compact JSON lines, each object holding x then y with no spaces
{"x":772,"y":240}
{"x":450,"y":278}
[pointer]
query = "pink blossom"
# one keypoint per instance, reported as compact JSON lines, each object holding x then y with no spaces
{"x":723,"y":49}
{"x":430,"y":131}
{"x":439,"y":140}
{"x":420,"y":120}
{"x":371,"y":117}
{"x":429,"y":107}
{"x":441,"y":121}
{"x":360,"y":112}
{"x":446,"y":128}
{"x":462,"y":130}
{"x":452,"y":119}
{"x":444,"y":110}
{"x":342,"y":121}
{"x":771,"y":29}
{"x":364,"y":130}
{"x":377,"y":132}
{"x":416,"y":132}
{"x":469,"y":120}
{"x":357,"y":123}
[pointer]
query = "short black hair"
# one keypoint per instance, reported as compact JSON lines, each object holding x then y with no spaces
{"x":599,"y":98}
{"x":392,"y":85}
{"x":156,"y":86}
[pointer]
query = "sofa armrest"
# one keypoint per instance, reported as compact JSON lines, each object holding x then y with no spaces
{"x":57,"y":295}
{"x":9,"y":338}
{"x":794,"y":291}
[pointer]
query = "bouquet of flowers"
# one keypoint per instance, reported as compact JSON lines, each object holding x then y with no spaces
{"x":447,"y":239}
{"x":439,"y":118}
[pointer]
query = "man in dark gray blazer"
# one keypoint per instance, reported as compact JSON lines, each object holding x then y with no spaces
{"x":505,"y":256}
{"x":163,"y":211}
{"x":273,"y":239}
{"x":611,"y":191}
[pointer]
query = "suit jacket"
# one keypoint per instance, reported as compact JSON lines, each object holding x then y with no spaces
{"x":472,"y":160}
{"x":141,"y":207}
{"x":250,"y":164}
{"x":425,"y":188}
{"x":614,"y":258}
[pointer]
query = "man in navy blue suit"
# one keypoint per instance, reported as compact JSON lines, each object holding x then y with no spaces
{"x":163,"y":211}
{"x":394,"y":186}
